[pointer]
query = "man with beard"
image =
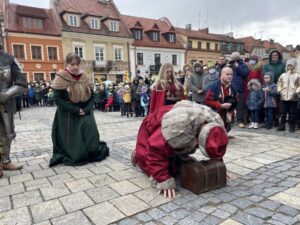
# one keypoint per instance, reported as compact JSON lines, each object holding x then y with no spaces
{"x":196,"y":84}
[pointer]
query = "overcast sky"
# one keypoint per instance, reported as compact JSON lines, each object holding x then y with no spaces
{"x":265,"y":19}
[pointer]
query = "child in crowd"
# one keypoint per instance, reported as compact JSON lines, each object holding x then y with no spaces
{"x":144,"y":100}
{"x":289,"y":90}
{"x":255,"y":101}
{"x":127,"y":100}
{"x":109,"y":103}
{"x":270,"y":93}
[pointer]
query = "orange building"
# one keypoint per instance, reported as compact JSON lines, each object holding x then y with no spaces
{"x":33,"y":37}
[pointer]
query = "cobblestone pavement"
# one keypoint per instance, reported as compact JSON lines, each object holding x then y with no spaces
{"x":264,"y":189}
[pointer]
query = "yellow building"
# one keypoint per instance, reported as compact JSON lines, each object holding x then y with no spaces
{"x":200,"y":46}
{"x":97,"y":34}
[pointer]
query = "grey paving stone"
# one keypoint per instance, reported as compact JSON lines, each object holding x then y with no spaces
{"x":144,"y":217}
{"x":128,"y":221}
{"x":5,"y":204}
{"x":81,"y":173}
{"x":187,"y":221}
{"x":255,"y":198}
{"x":208,"y":209}
{"x":102,"y":194}
{"x":228,"y":208}
{"x":124,"y":187}
{"x":169,"y":207}
{"x":212,"y":220}
{"x":4,"y":181}
{"x":179,"y":214}
{"x":226,"y":197}
{"x":101,"y":180}
{"x":198,"y":216}
{"x":168,"y":220}
{"x":242,"y":203}
{"x":274,"y":222}
{"x":271,"y":205}
{"x":288,"y":184}
{"x":46,"y":210}
{"x":247,"y":219}
{"x":289,"y":210}
{"x":124,"y":174}
{"x":53,"y":192}
{"x":36,"y":184}
{"x":259,"y":212}
{"x":282,"y":218}
{"x":11,"y":189}
{"x":18,"y":216}
{"x":43,"y":223}
{"x":156,"y":214}
{"x":271,"y":191}
{"x":76,"y":201}
{"x":103,"y":213}
{"x":60,"y":178}
{"x":195,"y":204}
{"x":221,"y":214}
{"x":43,"y":173}
{"x":20,"y":178}
{"x":75,"y":218}
{"x":79,"y":185}
{"x":26,"y":198}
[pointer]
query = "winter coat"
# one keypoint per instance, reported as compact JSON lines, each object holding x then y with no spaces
{"x":288,"y":86}
{"x":127,"y":96}
{"x":277,"y":68}
{"x":270,"y":96}
{"x":196,"y":84}
{"x":209,"y":79}
{"x":144,"y":99}
{"x":240,"y":74}
{"x":255,"y":98}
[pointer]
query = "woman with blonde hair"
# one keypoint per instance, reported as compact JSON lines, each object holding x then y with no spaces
{"x":166,"y":90}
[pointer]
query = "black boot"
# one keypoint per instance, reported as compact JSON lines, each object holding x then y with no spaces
{"x":281,"y":127}
{"x":291,"y":128}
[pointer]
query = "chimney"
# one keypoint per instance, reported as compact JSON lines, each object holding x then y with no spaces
{"x":271,"y":41}
{"x":188,"y":26}
{"x":205,"y":30}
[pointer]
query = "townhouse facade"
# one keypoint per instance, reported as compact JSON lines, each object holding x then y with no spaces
{"x":200,"y":46}
{"x":94,"y":30}
{"x":155,"y":43}
{"x":253,"y":47}
{"x":31,"y":35}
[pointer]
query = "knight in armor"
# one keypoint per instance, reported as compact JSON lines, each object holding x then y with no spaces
{"x":12,"y":83}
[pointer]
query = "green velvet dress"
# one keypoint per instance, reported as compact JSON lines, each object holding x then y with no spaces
{"x":75,"y":138}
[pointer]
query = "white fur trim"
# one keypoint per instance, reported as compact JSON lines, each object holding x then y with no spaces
{"x":204,"y":134}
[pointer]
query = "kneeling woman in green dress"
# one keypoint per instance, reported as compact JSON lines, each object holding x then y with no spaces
{"x":75,"y":136}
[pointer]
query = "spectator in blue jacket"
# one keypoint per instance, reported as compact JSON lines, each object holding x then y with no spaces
{"x":240,"y":74}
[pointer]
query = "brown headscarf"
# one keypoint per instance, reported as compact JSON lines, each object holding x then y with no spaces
{"x":79,"y":91}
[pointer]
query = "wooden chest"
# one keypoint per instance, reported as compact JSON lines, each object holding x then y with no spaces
{"x":203,"y":176}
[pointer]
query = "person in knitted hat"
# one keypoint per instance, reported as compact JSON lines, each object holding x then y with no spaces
{"x":167,"y":136}
{"x":289,"y":90}
{"x":196,"y":83}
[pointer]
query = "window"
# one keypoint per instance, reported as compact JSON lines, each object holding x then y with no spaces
{"x":36,"y":52}
{"x":157,"y":59}
{"x":73,"y":21}
{"x":154,"y":36}
{"x":238,"y":47}
{"x":172,"y":38}
{"x":137,"y":34}
{"x":32,"y":23}
{"x":52,"y":76}
{"x":52,"y":53}
{"x":216,"y":47}
{"x":140,"y":59}
{"x":207,"y":45}
{"x":228,"y":47}
{"x":199,"y":45}
{"x":19,"y":51}
{"x":113,"y":26}
{"x":38,"y":77}
{"x":99,"y":53}
{"x":190,"y":44}
{"x":94,"y":23}
{"x":174,"y":60}
{"x":79,"y":50}
{"x":118,"y":54}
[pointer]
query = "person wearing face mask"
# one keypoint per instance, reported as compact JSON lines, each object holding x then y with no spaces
{"x":75,"y":135}
{"x":212,"y":76}
{"x":288,"y":87}
{"x":196,"y":83}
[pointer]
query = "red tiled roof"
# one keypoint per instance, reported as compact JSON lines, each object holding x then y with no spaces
{"x":250,"y":43}
{"x":197,"y":34}
{"x":12,"y":25}
{"x":163,"y":26}
{"x":226,"y":38}
{"x":92,"y":7}
{"x":271,"y":46}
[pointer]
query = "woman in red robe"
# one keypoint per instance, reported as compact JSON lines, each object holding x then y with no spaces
{"x":167,"y":136}
{"x":166,"y":90}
